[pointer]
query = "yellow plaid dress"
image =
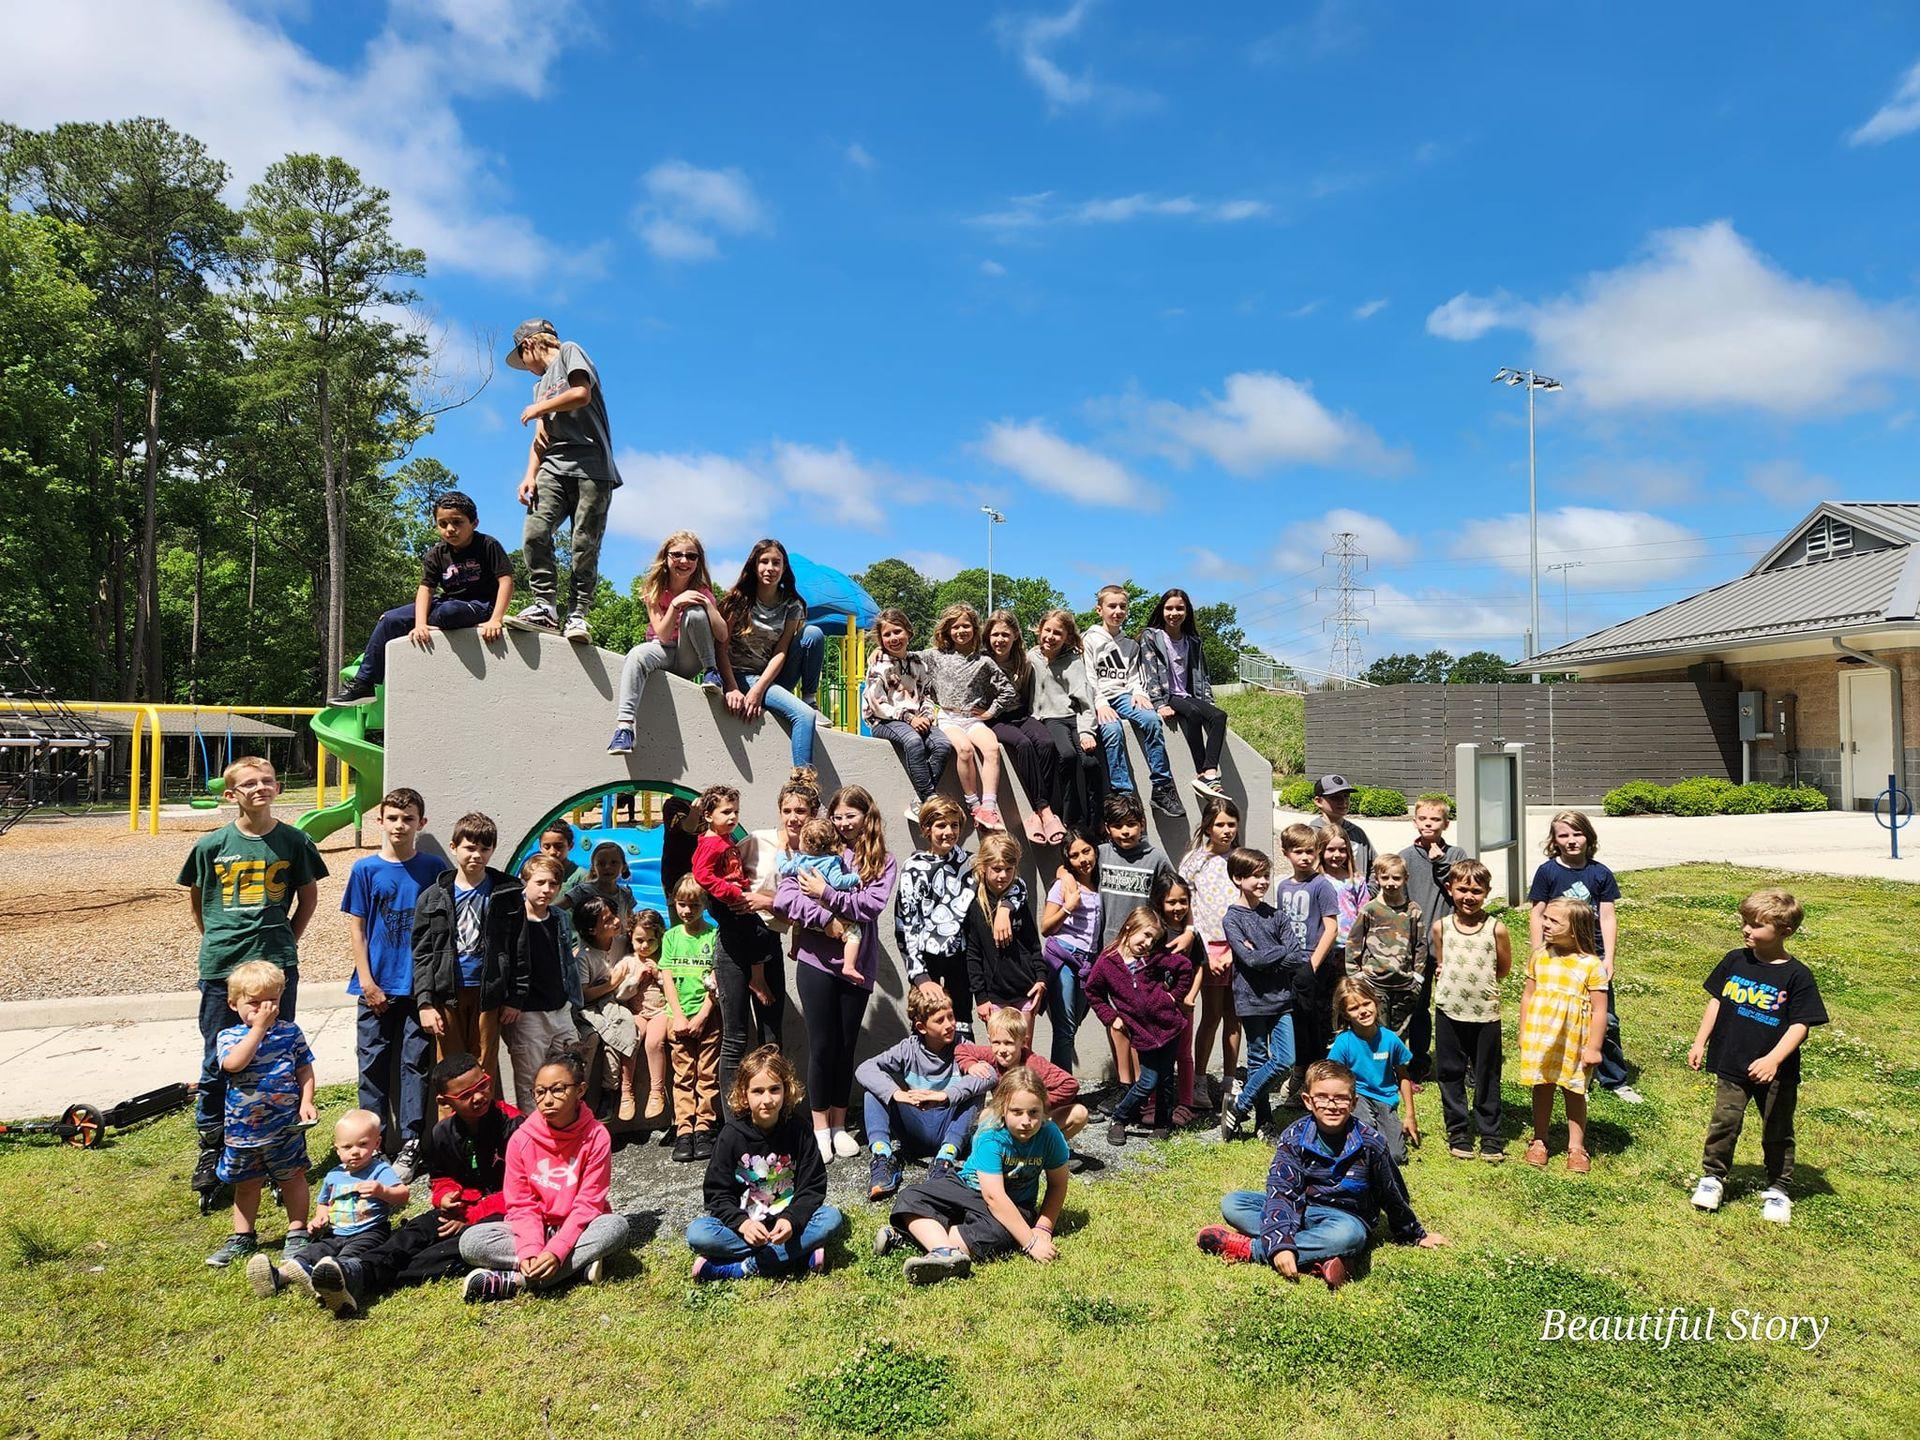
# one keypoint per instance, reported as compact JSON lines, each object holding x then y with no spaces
{"x":1554,"y":1026}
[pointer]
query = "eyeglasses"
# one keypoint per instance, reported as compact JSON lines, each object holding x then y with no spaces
{"x":683,"y":554}
{"x":1331,"y":1102}
{"x":479,"y":1087}
{"x":555,"y":1092}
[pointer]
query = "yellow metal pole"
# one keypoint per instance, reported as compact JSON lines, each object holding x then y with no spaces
{"x":320,"y":776}
{"x":133,"y":776}
{"x":153,"y":778}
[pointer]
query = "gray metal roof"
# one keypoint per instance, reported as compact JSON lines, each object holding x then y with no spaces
{"x":119,"y":723}
{"x":1850,"y":593}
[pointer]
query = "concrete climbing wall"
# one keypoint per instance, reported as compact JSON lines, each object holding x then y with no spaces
{"x":520,"y":727}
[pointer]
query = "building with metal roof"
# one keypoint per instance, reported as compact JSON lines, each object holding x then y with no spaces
{"x":1823,"y":637}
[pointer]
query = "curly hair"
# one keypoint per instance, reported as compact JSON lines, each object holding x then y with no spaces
{"x":951,"y":616}
{"x":752,"y":1067}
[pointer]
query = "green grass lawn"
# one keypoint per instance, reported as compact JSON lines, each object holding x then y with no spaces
{"x":1275,"y":725}
{"x":117,"y":1328}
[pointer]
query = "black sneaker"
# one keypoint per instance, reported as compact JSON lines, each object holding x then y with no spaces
{"x":943,"y":1169}
{"x":235,"y":1247}
{"x":355,"y":692}
{"x":883,"y":1176}
{"x":1166,"y":799}
{"x":407,"y":1162}
{"x":337,"y":1284}
{"x":683,"y":1147}
{"x":703,"y":1145}
{"x":887,"y":1239}
{"x":1117,"y":1133}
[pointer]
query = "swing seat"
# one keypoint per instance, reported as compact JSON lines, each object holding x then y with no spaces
{"x":204,"y":802}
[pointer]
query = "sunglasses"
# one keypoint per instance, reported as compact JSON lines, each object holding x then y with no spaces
{"x":683,"y":554}
{"x":479,"y":1087}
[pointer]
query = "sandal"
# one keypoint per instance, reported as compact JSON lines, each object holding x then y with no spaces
{"x":1183,"y":1116}
{"x":1577,"y":1162}
{"x":1536,"y":1154}
{"x":1036,"y":832}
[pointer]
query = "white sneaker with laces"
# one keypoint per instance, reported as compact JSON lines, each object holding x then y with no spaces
{"x":537,"y":616}
{"x":1776,"y":1207}
{"x":1706,"y":1195}
{"x":577,"y":630}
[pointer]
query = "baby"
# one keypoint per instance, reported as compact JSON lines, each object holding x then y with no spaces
{"x":823,"y":857}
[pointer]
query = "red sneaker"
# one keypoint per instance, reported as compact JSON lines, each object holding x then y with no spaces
{"x":1226,"y":1242}
{"x":1333,"y":1271}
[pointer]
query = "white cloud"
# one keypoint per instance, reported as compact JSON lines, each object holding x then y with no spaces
{"x":1334,"y":26}
{"x":1610,"y":547}
{"x":1899,"y":116}
{"x":992,"y":269}
{"x":1789,"y":482}
{"x":720,"y":499}
{"x":1033,"y":41}
{"x":1031,"y":212}
{"x":1431,"y":617}
{"x":1370,"y":309}
{"x":1643,"y":481}
{"x":686,"y":208}
{"x":1267,"y":422}
{"x":230,"y":75}
{"x":1467,"y":317}
{"x":936,"y":565}
{"x":849,"y":490}
{"x":1042,"y":458}
{"x":1303,"y":543}
{"x":858,"y":155}
{"x":1704,"y":321}
{"x":1205,"y":564}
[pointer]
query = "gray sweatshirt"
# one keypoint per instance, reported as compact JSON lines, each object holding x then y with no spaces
{"x":910,"y":1065}
{"x":1061,"y":690}
{"x":963,"y":684}
{"x":1113,"y":664}
{"x":1427,"y":880}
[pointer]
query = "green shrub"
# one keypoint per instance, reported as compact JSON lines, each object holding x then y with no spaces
{"x":1297,"y":793}
{"x":1438,"y":797}
{"x":1701,"y":795}
{"x":1756,"y":797}
{"x":1636,"y":797}
{"x":1804,"y":797}
{"x":1368,"y":800}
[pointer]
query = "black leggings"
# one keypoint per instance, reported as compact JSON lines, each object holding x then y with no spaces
{"x":833,"y":1008}
{"x":742,"y":941}
{"x":1079,"y":775}
{"x":1205,"y":726}
{"x":1029,"y":749}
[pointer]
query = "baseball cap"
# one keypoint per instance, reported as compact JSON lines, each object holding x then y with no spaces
{"x":524,"y":332}
{"x":1332,"y":785}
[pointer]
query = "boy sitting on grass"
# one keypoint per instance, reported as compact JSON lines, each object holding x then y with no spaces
{"x":919,"y":1089}
{"x":1330,"y":1179}
{"x":356,"y":1199}
{"x":1006,"y":1047}
{"x":1761,"y":1004}
{"x":269,"y":1074}
{"x":467,"y":1158}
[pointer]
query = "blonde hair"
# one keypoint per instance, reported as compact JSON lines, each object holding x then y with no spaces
{"x":1019,"y":1080}
{"x":1015,"y":665}
{"x":1579,"y":821}
{"x":997,"y":848}
{"x":1007,"y":1023}
{"x":1389,"y":864}
{"x":255,"y":979}
{"x":1299,"y":837}
{"x":1326,"y":837}
{"x":654,"y":584}
{"x":757,"y":1063}
{"x":1579,"y":917}
{"x":1350,"y":989}
{"x":936,"y":808}
{"x":870,"y":845}
{"x":546,"y":865}
{"x":243,"y":764}
{"x":1773,"y":907}
{"x":1069,"y":626}
{"x":1106,"y":590}
{"x":949,"y":617}
{"x":357,"y":1120}
{"x":687,"y":890}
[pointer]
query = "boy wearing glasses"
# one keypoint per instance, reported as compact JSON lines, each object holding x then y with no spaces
{"x":467,"y":1158}
{"x":1330,"y":1179}
{"x":570,"y":472}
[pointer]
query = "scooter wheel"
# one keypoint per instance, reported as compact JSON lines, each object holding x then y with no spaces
{"x":86,"y":1127}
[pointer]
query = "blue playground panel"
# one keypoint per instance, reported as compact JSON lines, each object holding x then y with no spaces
{"x":642,"y":849}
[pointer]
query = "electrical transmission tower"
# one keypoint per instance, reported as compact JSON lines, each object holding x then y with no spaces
{"x":1346,"y":622}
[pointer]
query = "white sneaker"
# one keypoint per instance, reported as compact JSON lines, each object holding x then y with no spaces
{"x":844,"y":1145}
{"x":537,"y":616}
{"x":577,"y":630}
{"x":1706,"y":1195}
{"x":1627,"y":1095}
{"x":824,"y":1139}
{"x":912,"y":812}
{"x":1775,"y":1206}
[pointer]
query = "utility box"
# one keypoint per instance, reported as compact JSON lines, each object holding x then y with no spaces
{"x":1753,"y":715}
{"x":1785,"y":732}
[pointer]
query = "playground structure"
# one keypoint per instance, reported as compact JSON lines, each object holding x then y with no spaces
{"x":518,"y":729}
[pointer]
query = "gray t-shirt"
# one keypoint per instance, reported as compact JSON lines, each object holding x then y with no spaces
{"x":752,"y":645}
{"x":578,"y":441}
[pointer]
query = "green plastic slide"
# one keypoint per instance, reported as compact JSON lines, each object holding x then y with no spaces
{"x":344,"y":732}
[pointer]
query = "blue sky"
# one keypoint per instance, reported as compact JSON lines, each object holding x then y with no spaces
{"x":1181,"y":290}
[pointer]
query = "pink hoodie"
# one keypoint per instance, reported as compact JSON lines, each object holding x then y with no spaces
{"x":556,"y":1183}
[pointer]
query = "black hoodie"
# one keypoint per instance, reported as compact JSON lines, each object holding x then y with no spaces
{"x":766,"y":1175}
{"x":436,"y":947}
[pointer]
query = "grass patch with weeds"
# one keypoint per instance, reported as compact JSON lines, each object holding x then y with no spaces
{"x":882,"y":1388}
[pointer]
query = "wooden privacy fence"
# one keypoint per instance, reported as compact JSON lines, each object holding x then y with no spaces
{"x":1583,"y":739}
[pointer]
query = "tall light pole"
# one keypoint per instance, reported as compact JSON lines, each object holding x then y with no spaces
{"x":1566,"y":632}
{"x":1509,"y":376}
{"x":994,"y":517}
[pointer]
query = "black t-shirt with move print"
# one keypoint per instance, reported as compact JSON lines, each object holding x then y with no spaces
{"x":470,"y":573}
{"x":1758,"y":1002}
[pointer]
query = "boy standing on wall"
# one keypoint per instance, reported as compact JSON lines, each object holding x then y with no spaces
{"x":570,"y":471}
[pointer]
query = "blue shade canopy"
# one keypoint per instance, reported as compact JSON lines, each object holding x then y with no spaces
{"x":831,"y":594}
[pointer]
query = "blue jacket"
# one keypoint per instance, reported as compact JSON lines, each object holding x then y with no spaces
{"x":1361,"y":1180}
{"x":1265,"y":973}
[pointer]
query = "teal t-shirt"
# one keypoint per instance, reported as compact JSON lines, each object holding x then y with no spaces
{"x":1376,"y":1067}
{"x":246,"y":887}
{"x":1019,"y":1165}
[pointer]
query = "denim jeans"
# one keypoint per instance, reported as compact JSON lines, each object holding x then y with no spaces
{"x":1269,"y":1040}
{"x":1066,"y":1007}
{"x":1611,"y":1072}
{"x":911,"y":1130}
{"x":717,"y":1240}
{"x":1153,"y":740}
{"x":382,"y":1043}
{"x":443,"y":614}
{"x":210,"y":1100}
{"x":924,"y":756}
{"x":800,"y":716}
{"x":1156,"y":1079}
{"x":801,"y":673}
{"x":1324,"y":1231}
